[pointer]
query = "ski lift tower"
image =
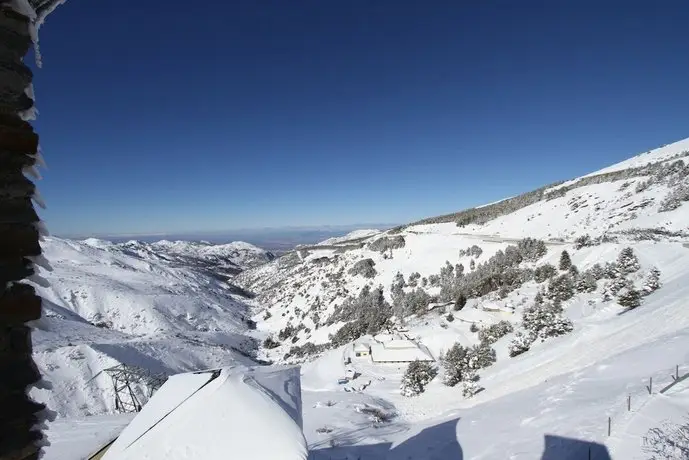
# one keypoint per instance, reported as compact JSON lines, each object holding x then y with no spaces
{"x":125,"y":378}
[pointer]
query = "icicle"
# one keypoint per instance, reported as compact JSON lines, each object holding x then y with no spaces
{"x":24,"y":8}
{"x":40,"y":161}
{"x":38,"y":199}
{"x":29,"y":114}
{"x":33,"y":172}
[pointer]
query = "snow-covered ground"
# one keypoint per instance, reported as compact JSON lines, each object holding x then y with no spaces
{"x":356,"y":234}
{"x":105,"y":306}
{"x":551,"y":402}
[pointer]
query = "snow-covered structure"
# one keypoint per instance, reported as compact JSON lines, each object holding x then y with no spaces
{"x":399,"y":351}
{"x":497,"y":308}
{"x":361,"y":349}
{"x":219,"y":414}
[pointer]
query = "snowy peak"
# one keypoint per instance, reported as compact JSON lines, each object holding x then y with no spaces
{"x":356,"y":234}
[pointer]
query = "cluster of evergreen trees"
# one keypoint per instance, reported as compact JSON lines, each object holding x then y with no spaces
{"x":460,"y":365}
{"x":368,"y":313}
{"x":499,"y":272}
{"x":387,"y":243}
{"x":673,"y":174}
{"x":495,"y":332}
{"x":473,"y":251}
{"x":364,"y":268}
{"x":416,"y":377}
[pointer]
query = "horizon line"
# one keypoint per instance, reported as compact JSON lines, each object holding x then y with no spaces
{"x":377,"y":226}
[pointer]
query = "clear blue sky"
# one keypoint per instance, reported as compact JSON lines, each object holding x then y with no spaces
{"x":157,"y":116}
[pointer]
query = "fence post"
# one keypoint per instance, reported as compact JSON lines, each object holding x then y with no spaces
{"x":629,"y":402}
{"x":609,"y":425}
{"x":650,"y":385}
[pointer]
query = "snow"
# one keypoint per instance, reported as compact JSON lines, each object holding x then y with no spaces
{"x":399,"y":351}
{"x":356,"y":234}
{"x":104,"y":306}
{"x":79,"y":437}
{"x":551,"y":402}
{"x":228,"y":413}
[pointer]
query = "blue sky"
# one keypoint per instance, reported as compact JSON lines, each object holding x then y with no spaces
{"x":160,"y":117}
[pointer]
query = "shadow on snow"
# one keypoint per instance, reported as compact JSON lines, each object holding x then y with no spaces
{"x":439,"y":442}
{"x":560,"y":448}
{"x":436,"y":442}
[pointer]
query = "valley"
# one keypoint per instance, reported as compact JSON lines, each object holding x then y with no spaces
{"x":527,"y":344}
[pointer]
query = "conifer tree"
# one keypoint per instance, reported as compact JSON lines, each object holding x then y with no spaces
{"x":565,"y":261}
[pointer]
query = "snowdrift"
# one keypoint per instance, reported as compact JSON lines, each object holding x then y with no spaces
{"x":235,"y":412}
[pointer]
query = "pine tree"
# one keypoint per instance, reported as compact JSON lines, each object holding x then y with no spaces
{"x":616,"y":284}
{"x":480,"y":356}
{"x":521,"y":343}
{"x":652,"y":282}
{"x":460,"y":302}
{"x":565,"y":261}
{"x":454,"y":364}
{"x":629,"y":297}
{"x":539,"y":298}
{"x":544,"y":272}
{"x":585,"y":283}
{"x":561,"y":288}
{"x":416,"y":377}
{"x":627,"y":261}
{"x":471,"y":386}
{"x":545,"y":321}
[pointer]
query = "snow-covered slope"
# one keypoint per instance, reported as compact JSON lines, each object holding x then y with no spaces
{"x":551,"y":401}
{"x":564,"y":386}
{"x":356,"y":234}
{"x":217,"y":259}
{"x":105,"y":305}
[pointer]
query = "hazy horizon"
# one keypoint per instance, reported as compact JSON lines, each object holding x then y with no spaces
{"x":276,"y":239}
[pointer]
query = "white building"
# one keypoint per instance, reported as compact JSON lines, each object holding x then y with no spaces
{"x":219,"y":414}
{"x":361,"y":349}
{"x":399,"y":351}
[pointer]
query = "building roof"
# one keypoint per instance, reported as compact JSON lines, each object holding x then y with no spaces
{"x":382,"y":352}
{"x":361,"y":346}
{"x":225,"y":413}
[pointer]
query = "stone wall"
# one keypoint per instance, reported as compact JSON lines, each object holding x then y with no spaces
{"x":20,"y":417}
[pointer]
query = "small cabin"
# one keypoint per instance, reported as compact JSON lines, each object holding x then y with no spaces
{"x":362,"y":349}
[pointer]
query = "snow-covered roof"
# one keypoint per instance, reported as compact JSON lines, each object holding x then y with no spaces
{"x":361,"y":346}
{"x":382,"y":352}
{"x":225,"y":413}
{"x":400,"y":343}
